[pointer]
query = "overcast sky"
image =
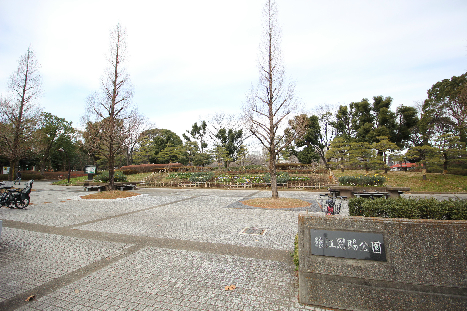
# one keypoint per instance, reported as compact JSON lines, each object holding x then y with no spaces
{"x":190,"y":59}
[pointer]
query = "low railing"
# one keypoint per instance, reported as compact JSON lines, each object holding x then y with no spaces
{"x":289,"y":185}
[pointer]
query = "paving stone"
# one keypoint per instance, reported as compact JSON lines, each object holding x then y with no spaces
{"x":44,"y":257}
{"x":148,"y":277}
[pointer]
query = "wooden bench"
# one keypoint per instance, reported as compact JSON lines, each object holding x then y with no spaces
{"x":99,"y":188}
{"x":366,"y":192}
{"x":126,"y":185}
{"x":371,"y":194}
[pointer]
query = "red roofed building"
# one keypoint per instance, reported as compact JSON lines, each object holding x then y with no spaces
{"x":404,"y":166}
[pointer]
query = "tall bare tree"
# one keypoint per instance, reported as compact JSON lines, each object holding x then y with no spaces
{"x":111,"y":108}
{"x":269,"y":106}
{"x":19,"y":112}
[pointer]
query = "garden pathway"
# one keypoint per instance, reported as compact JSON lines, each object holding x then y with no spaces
{"x":167,"y":249}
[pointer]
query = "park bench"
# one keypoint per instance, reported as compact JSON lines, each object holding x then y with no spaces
{"x":367,"y":192}
{"x":99,"y":188}
{"x":126,"y":186}
{"x":372,"y":194}
{"x":92,"y":186}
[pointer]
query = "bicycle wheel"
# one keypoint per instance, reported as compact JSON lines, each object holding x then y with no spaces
{"x":22,"y":203}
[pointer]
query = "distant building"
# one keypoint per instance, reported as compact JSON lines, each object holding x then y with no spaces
{"x":404,"y":166}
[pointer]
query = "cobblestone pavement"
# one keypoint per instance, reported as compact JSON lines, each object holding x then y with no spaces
{"x":167,"y":249}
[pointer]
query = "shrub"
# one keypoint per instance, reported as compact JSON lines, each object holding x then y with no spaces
{"x":104,"y":176}
{"x":282,"y":178}
{"x":183,"y":175}
{"x":295,"y":254}
{"x":224,"y":178}
{"x":299,"y":178}
{"x":201,"y":177}
{"x":146,"y":168}
{"x":356,"y":206}
{"x":409,"y":208}
{"x":362,"y":180}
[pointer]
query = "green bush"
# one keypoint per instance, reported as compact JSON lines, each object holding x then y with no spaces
{"x":201,"y":177}
{"x":282,"y":178}
{"x":362,"y":180}
{"x":181,"y":175}
{"x":409,"y":208}
{"x":104,"y":176}
{"x":295,"y":254}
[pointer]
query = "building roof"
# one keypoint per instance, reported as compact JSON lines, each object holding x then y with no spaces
{"x":404,"y":165}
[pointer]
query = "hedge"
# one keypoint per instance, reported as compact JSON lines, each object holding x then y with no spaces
{"x":201,"y":177}
{"x":146,"y":168}
{"x":409,"y":208}
{"x":24,"y":176}
{"x":362,"y":180}
{"x":104,"y":176}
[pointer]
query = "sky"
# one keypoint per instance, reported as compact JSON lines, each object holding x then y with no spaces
{"x":191,"y":59}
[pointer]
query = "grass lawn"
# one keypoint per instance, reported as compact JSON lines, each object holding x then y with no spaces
{"x":137,"y":177}
{"x":73,"y":181}
{"x":435,"y":182}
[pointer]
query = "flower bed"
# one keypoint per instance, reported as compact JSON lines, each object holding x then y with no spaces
{"x":228,"y":179}
{"x":362,"y":180}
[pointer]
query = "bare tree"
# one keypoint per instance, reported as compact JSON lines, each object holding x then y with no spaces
{"x":269,"y":106}
{"x":19,"y":112}
{"x":111,"y":108}
{"x":137,"y":124}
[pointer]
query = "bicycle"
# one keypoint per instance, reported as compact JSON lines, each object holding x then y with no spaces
{"x":16,"y":198}
{"x":332,"y":204}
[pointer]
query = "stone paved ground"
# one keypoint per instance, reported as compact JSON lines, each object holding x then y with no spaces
{"x":167,"y":249}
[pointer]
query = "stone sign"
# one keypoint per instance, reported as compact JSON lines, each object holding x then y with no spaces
{"x":348,"y":244}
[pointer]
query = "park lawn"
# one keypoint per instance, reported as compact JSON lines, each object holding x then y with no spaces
{"x":73,"y":181}
{"x":435,"y":182}
{"x":137,"y":177}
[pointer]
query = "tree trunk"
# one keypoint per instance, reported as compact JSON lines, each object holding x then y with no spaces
{"x":323,"y":158}
{"x":445,"y":163}
{"x":385,"y":163}
{"x":111,"y":169}
{"x":127,"y":156}
{"x":272,"y":172}
{"x":11,"y":174}
{"x":424,"y":170}
{"x":69,"y":171}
